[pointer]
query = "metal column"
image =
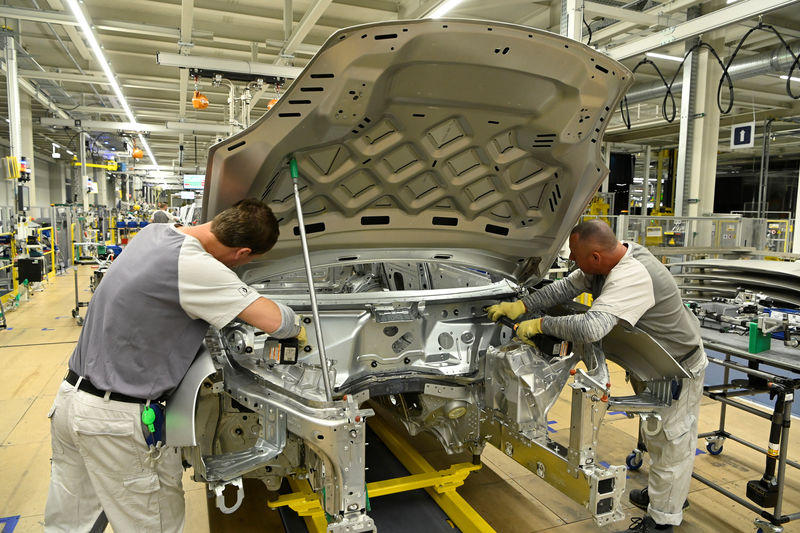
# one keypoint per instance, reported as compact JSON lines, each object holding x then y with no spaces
{"x":763,"y":176}
{"x":572,"y":19}
{"x":795,"y":232}
{"x":686,"y":136}
{"x":14,"y":127}
{"x":702,"y":172}
{"x":15,"y":130}
{"x":82,"y":189}
{"x":646,"y":181}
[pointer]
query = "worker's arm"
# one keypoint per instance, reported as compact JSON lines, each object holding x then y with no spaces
{"x":276,"y":319}
{"x":561,"y":291}
{"x":558,"y":292}
{"x":588,"y":327}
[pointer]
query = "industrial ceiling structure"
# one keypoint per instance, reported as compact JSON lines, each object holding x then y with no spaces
{"x":241,"y":54}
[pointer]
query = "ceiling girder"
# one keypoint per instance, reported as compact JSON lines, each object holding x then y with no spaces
{"x":730,"y":14}
{"x":138,"y":127}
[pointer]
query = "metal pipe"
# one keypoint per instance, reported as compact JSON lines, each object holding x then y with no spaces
{"x":776,"y":60}
{"x":757,"y":448}
{"x":764,"y":171}
{"x":83,"y":185}
{"x":739,"y":405}
{"x":69,"y":54}
{"x":323,"y":358}
{"x":783,"y":441}
{"x":741,"y":501}
{"x":747,"y":370}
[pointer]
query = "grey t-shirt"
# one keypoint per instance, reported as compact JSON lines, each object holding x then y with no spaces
{"x":161,"y":217}
{"x":641,"y":291}
{"x":147,"y":319}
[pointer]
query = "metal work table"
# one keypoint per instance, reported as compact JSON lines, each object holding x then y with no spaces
{"x":759,"y":380}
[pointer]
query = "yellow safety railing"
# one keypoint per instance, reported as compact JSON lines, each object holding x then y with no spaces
{"x":52,"y":252}
{"x":14,"y":282}
{"x":108,"y":165}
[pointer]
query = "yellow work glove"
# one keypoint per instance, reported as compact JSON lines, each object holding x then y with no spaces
{"x":510,"y":309}
{"x":526,"y":330}
{"x":302,"y":339}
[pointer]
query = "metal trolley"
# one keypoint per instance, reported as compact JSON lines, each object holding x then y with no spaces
{"x":768,"y":492}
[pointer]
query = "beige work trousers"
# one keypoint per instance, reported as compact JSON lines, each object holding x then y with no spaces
{"x":672,"y":452}
{"x":100,"y":462}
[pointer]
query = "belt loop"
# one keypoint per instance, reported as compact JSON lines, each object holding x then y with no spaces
{"x":107,"y":396}
{"x":78,"y":383}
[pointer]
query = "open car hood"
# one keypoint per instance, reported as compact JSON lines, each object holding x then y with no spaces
{"x":448,"y":140}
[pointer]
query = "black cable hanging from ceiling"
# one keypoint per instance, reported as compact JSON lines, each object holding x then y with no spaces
{"x":725,"y":78}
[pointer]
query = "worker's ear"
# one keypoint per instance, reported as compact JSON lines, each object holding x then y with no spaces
{"x":242,"y":253}
{"x":596,"y":257}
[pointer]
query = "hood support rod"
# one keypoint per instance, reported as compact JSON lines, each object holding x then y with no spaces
{"x":323,"y":358}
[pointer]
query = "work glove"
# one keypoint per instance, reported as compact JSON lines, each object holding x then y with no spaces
{"x":528,"y":329}
{"x":302,"y":338}
{"x":510,"y":309}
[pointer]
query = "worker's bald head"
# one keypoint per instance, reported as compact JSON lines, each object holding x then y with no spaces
{"x":594,"y":247}
{"x":595,"y":234}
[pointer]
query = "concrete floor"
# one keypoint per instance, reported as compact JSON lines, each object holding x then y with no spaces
{"x":41,"y":336}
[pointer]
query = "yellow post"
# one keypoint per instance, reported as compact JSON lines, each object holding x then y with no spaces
{"x":52,"y":252}
{"x":12,"y":253}
{"x":72,"y":243}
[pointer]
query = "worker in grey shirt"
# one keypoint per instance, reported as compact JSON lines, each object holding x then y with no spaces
{"x":162,"y":216}
{"x":144,"y":326}
{"x":628,"y":284}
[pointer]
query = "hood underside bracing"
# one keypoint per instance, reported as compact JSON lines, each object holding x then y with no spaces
{"x":469,"y":141}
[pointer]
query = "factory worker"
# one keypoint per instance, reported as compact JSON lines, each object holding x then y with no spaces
{"x":629,"y":285}
{"x":143,"y":328}
{"x":162,"y":216}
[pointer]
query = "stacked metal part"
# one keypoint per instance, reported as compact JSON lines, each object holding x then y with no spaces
{"x":708,"y":278}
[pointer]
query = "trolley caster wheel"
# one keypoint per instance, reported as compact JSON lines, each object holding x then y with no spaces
{"x":714,"y":444}
{"x":74,"y":313}
{"x":79,"y":321}
{"x":714,"y":448}
{"x":634,"y":460}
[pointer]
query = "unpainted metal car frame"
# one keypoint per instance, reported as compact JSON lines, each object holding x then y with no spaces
{"x":442,"y":164}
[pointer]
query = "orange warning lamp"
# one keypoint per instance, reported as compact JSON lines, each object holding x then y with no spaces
{"x":137,"y":153}
{"x":199,"y":101}
{"x":271,"y":103}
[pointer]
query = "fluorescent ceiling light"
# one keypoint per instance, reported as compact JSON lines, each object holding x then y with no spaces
{"x":784,"y":77}
{"x":664,"y":56}
{"x":98,"y":53}
{"x":444,"y":8}
{"x":731,"y":1}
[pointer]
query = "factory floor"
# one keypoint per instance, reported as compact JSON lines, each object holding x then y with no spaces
{"x":42,"y":333}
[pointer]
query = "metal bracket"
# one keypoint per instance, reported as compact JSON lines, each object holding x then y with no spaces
{"x":219,"y":489}
{"x":398,"y":312}
{"x":230,"y":465}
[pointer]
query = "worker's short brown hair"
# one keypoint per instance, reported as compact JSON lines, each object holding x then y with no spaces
{"x":250,"y":223}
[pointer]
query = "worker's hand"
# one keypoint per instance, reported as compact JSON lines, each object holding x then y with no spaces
{"x":302,"y":339}
{"x":526,"y":330}
{"x":510,"y":309}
